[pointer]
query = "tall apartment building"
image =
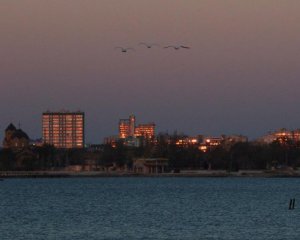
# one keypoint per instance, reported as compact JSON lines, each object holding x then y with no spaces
{"x":145,"y":130}
{"x":128,"y":128}
{"x":64,"y":129}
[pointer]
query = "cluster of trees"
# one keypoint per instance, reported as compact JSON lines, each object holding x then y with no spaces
{"x":39,"y":158}
{"x":243,"y":155}
{"x":251,"y":155}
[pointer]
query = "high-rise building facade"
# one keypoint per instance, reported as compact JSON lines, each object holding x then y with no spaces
{"x":123,"y":128}
{"x":63,"y":129}
{"x":127,"y":127}
{"x":145,"y":130}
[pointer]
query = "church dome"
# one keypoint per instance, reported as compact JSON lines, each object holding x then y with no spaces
{"x":10,"y":127}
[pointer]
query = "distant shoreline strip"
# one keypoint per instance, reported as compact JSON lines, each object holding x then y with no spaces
{"x":204,"y":174}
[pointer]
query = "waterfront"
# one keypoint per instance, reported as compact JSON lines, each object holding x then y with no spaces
{"x":149,"y":208}
{"x":182,"y":173}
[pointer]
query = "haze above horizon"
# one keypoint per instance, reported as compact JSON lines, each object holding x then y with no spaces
{"x":241,"y":75}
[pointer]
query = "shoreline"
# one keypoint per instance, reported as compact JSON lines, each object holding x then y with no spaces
{"x":190,"y":174}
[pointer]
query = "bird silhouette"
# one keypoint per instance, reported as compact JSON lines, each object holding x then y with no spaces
{"x":124,"y":50}
{"x":177,"y":47}
{"x":149,"y":45}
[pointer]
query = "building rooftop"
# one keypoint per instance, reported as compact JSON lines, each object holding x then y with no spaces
{"x":19,"y":133}
{"x":11,"y":127}
{"x":63,"y":113}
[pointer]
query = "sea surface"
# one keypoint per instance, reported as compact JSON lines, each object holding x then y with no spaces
{"x":149,"y":208}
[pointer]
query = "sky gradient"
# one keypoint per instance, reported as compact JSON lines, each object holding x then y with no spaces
{"x":241,"y":75}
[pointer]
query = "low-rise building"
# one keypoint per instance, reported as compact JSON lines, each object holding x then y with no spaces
{"x":15,"y":138}
{"x":210,"y":143}
{"x":111,"y":140}
{"x":150,"y":165}
{"x":282,"y":136}
{"x":189,"y":141}
{"x":230,"y":140}
{"x":225,"y":141}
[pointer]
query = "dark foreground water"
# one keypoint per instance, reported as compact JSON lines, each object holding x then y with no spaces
{"x":149,"y":208}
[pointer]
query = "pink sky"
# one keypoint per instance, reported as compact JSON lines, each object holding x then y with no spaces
{"x":241,"y":74}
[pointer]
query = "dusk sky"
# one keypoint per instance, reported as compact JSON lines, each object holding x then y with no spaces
{"x":241,"y":75}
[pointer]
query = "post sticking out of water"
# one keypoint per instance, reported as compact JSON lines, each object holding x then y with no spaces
{"x":292,"y":204}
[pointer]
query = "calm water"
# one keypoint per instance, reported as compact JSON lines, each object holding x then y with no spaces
{"x":149,"y":208}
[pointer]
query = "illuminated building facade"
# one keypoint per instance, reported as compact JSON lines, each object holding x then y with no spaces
{"x":64,"y":129}
{"x":127,"y":127}
{"x":210,"y":143}
{"x":123,"y":128}
{"x":226,"y":141}
{"x":131,"y":134}
{"x":145,"y":130}
{"x":188,"y":141}
{"x":282,"y":136}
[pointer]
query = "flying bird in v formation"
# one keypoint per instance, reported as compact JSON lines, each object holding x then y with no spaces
{"x":150,"y":45}
{"x":124,"y":50}
{"x":177,"y":47}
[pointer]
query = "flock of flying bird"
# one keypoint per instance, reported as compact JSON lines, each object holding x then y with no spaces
{"x":150,"y":45}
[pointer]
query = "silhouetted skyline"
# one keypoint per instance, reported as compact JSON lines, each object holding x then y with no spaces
{"x":241,"y":74}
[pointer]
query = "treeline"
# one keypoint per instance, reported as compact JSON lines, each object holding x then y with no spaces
{"x":246,"y":155}
{"x":252,"y":156}
{"x":39,"y":158}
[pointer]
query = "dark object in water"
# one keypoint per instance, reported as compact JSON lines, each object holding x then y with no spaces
{"x":292,"y":204}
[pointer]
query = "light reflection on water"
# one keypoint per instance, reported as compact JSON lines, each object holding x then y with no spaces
{"x":149,"y":208}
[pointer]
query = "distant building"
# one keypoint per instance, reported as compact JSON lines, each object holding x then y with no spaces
{"x":226,"y":141}
{"x":111,"y":140}
{"x":145,"y":130}
{"x":127,"y":127}
{"x":230,"y":140}
{"x":210,"y":143}
{"x":129,"y":131}
{"x":234,"y":138}
{"x":63,"y":129}
{"x":132,"y":141}
{"x":296,"y":135}
{"x":186,"y":141}
{"x":15,"y":138}
{"x":282,"y":136}
{"x":150,"y":165}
